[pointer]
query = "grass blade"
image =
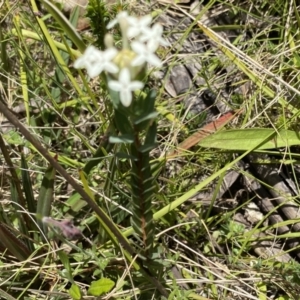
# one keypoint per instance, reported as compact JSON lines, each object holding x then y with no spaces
{"x":45,"y":197}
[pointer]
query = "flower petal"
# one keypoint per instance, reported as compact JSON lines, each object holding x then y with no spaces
{"x":138,"y":26}
{"x":90,"y":54}
{"x":136,"y":85}
{"x":95,"y":61}
{"x":125,"y":86}
{"x":152,"y":59}
{"x":121,"y":15}
{"x":153,"y":37}
{"x":110,"y":67}
{"x":144,"y":54}
{"x":115,"y":85}
{"x":110,"y":53}
{"x":124,"y":77}
{"x":94,"y":70}
{"x":126,"y":98}
{"x":138,"y":61}
{"x":79,"y":63}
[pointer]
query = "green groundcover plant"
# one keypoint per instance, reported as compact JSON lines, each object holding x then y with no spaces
{"x":140,"y":234}
{"x":125,"y":72}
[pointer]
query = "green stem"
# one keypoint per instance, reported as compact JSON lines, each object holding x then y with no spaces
{"x":142,"y":194}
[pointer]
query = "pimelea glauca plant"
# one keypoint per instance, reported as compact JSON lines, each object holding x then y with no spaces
{"x":125,"y":72}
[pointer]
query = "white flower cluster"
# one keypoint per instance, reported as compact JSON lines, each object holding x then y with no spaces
{"x":144,"y":42}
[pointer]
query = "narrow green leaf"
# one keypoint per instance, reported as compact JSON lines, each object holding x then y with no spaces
{"x":60,"y":75}
{"x":150,"y":141}
{"x":75,"y":292}
{"x":146,"y":117}
{"x":145,"y":104}
{"x":101,"y":286}
{"x":37,"y":37}
{"x":114,"y":97}
{"x":122,"y":123}
{"x":75,"y":203}
{"x":124,"y":155}
{"x":45,"y":197}
{"x":245,"y":139}
{"x":65,"y":261}
{"x":65,"y":24}
{"x":86,"y":185}
{"x":74,"y":16}
{"x":68,"y":161}
{"x":144,"y":110}
{"x":150,"y":101}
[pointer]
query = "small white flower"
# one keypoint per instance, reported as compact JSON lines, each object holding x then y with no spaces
{"x":125,"y":86}
{"x":96,"y":61}
{"x":89,"y":59}
{"x":153,"y":37}
{"x":119,"y":17}
{"x":144,"y":54}
{"x":138,"y":26}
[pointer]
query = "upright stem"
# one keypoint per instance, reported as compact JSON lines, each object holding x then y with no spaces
{"x":142,"y":193}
